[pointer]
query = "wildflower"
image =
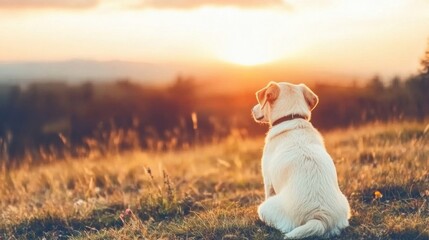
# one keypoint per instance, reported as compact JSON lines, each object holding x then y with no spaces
{"x":128,"y":211}
{"x":79,"y":203}
{"x":125,"y":215}
{"x":377,"y":195}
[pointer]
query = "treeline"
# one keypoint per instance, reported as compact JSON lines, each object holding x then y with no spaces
{"x":54,"y":120}
{"x":376,"y":101}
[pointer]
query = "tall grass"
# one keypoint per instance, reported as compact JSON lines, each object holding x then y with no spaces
{"x":211,"y":192}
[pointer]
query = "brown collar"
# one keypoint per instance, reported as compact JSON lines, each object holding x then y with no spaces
{"x":287,"y":118}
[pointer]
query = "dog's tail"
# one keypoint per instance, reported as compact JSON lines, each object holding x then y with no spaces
{"x":313,"y":227}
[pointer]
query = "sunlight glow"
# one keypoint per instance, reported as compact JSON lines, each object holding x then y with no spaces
{"x":247,"y":53}
{"x":249,"y":37}
{"x":354,"y":36}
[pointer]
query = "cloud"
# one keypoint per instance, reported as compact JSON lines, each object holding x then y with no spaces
{"x":40,"y":4}
{"x":187,"y":4}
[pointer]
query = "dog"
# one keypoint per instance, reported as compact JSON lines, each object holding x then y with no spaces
{"x":302,"y":196}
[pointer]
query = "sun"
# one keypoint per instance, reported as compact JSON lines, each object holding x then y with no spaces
{"x":247,"y":52}
{"x":247,"y":56}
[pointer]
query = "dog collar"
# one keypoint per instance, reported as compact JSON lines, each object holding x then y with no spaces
{"x":288,"y":117}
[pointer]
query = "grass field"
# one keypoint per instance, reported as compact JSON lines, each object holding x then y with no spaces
{"x":212,"y":192}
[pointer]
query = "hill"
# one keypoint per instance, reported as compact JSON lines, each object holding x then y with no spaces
{"x":212,"y":192}
{"x":79,"y":70}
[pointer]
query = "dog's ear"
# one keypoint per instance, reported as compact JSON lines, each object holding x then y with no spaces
{"x":310,"y":97}
{"x":268,"y":94}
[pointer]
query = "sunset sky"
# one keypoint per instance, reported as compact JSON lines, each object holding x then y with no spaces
{"x":345,"y":38}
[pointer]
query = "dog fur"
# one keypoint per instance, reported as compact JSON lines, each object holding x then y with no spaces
{"x":302,"y":196}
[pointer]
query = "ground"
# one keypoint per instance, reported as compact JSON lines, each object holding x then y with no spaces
{"x":212,"y":192}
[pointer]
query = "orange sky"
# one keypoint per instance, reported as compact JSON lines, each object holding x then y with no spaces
{"x":351,"y":38}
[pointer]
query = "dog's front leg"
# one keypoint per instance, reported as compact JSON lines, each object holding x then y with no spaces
{"x":269,"y":190}
{"x":272,"y":192}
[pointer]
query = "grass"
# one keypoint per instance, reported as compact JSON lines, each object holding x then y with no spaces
{"x":212,"y":192}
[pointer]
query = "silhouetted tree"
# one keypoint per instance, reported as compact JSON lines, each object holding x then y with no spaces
{"x":375,"y":84}
{"x":395,"y":83}
{"x":425,"y":61}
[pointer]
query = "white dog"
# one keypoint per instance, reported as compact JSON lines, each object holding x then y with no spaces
{"x":302,"y":197}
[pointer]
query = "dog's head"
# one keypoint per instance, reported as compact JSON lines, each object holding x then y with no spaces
{"x":277,"y":100}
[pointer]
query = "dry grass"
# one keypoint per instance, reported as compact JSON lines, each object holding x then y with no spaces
{"x":212,"y":192}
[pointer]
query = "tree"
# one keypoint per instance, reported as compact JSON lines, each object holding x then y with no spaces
{"x":395,"y":83}
{"x":425,"y":61}
{"x":375,"y":84}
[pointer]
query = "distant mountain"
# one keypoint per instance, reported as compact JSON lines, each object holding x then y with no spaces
{"x":83,"y":70}
{"x":215,"y":76}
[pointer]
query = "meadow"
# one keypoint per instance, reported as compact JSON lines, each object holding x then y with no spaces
{"x":212,"y":191}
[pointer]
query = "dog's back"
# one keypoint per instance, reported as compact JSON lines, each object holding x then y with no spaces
{"x":304,"y":175}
